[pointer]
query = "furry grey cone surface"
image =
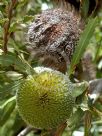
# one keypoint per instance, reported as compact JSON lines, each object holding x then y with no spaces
{"x":53,"y":36}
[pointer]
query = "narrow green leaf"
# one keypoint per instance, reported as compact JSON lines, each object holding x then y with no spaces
{"x":6,"y":109}
{"x":9,"y":60}
{"x":3,"y":20}
{"x":28,"y":18}
{"x":83,"y":43}
{"x":79,"y":88}
{"x":85,"y":8}
{"x":12,"y":75}
{"x":13,"y":27}
{"x":18,"y":62}
{"x":76,"y":117}
{"x":9,"y":89}
{"x":18,"y":123}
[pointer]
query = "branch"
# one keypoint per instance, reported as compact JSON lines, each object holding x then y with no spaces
{"x":60,"y":129}
{"x":88,"y":123}
{"x":7,"y":25}
{"x":25,"y":131}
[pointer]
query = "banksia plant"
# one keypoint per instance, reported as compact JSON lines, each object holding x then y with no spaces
{"x":46,"y":99}
{"x":55,"y":97}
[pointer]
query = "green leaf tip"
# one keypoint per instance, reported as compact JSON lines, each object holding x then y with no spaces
{"x":83,"y":43}
{"x":79,"y":88}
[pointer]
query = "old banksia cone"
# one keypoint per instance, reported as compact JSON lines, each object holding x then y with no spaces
{"x":53,"y":36}
{"x":45,"y":100}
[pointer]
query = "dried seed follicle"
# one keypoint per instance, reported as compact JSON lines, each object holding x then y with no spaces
{"x":53,"y":37}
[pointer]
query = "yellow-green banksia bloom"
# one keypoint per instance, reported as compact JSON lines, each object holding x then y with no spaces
{"x":46,"y":99}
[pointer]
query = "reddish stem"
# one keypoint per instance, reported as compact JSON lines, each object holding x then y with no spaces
{"x":7,"y":25}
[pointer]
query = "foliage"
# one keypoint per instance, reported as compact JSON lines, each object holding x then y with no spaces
{"x":83,"y":42}
{"x":15,"y":64}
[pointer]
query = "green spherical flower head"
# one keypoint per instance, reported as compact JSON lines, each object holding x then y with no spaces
{"x":45,"y":99}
